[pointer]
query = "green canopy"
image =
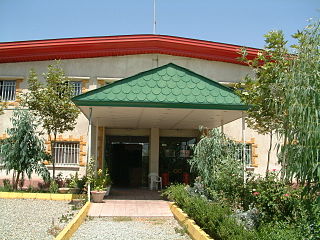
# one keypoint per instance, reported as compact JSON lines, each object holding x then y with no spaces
{"x":168,"y":86}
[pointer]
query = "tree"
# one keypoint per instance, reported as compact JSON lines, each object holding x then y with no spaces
{"x":23,"y":152}
{"x":217,"y":161}
{"x":285,"y":97}
{"x":262,"y":91}
{"x":301,"y":153}
{"x":51,"y":102}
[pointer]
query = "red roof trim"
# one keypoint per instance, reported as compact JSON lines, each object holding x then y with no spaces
{"x":88,"y":47}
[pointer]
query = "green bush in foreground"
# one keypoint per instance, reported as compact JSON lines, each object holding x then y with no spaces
{"x":217,"y":220}
{"x":279,"y":231}
{"x":213,"y":217}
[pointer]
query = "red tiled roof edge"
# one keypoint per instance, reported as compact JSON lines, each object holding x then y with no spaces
{"x":89,"y":47}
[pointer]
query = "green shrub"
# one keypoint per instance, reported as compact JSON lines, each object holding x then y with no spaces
{"x":217,"y":219}
{"x":309,"y":218}
{"x":213,"y":217}
{"x":279,"y":231}
{"x":276,"y":200}
{"x":228,"y":229}
{"x":7,"y":187}
{"x":217,"y":160}
{"x":54,"y":187}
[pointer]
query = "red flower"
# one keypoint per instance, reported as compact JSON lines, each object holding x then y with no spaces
{"x":256,"y":193}
{"x":286,"y":195}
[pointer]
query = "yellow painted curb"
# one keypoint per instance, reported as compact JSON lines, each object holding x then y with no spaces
{"x":42,"y":196}
{"x":195,"y":232}
{"x":72,"y":227}
{"x":4,"y":195}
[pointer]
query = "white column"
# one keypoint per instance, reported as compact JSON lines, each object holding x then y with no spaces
{"x":89,"y":147}
{"x":154,"y":151}
{"x":103,"y":148}
{"x":96,"y":147}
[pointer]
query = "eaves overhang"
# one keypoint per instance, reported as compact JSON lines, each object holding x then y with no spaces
{"x":163,"y":105}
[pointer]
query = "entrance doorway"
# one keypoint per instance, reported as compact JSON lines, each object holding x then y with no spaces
{"x":174,"y":155}
{"x":127,"y":164}
{"x":128,"y":160}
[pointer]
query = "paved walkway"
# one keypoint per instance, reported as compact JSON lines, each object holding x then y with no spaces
{"x":131,"y":203}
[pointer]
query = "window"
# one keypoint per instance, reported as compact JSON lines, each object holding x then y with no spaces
{"x":7,"y":90}
{"x":76,"y":87}
{"x":66,"y":153}
{"x":248,"y":153}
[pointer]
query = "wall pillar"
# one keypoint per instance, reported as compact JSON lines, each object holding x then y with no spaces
{"x":154,"y":151}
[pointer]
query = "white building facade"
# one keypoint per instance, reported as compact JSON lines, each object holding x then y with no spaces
{"x":132,"y":136}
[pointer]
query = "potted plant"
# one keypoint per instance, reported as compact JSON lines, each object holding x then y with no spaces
{"x":99,"y":185}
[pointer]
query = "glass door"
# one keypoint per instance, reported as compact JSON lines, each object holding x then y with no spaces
{"x":174,"y":155}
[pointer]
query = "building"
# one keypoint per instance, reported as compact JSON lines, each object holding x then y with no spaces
{"x":145,"y":97}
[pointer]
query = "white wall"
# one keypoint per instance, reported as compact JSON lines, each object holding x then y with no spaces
{"x":125,"y":66}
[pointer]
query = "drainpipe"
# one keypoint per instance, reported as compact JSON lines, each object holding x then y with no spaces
{"x":89,"y":148}
{"x":243,"y":133}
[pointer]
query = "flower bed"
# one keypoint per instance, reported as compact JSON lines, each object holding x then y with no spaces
{"x":220,"y":220}
{"x":230,"y":203}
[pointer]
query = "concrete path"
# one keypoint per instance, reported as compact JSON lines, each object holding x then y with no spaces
{"x":131,"y":203}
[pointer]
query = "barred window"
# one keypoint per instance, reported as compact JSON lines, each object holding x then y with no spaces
{"x":248,"y":153}
{"x":7,"y":90}
{"x":76,"y":87}
{"x":66,"y":153}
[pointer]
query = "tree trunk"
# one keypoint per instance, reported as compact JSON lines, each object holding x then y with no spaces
{"x":52,"y":151}
{"x":16,"y":182}
{"x":269,"y":153}
{"x":284,"y":158}
{"x":13,"y":177}
{"x":52,"y":156}
{"x":21,"y":183}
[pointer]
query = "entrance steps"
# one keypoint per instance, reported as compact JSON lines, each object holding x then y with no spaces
{"x":131,"y":203}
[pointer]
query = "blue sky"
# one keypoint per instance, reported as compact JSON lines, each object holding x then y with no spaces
{"x":241,"y":22}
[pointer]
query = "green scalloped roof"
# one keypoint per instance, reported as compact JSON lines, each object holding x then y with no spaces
{"x":168,"y":86}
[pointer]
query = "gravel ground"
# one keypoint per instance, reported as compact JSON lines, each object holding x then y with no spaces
{"x":32,"y":219}
{"x":126,"y":228}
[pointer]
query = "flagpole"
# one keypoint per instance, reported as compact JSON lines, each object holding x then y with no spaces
{"x":154,"y":17}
